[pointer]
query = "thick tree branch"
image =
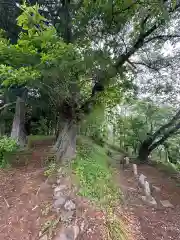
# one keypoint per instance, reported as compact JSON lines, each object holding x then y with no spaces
{"x":114,"y":69}
{"x":6,"y":105}
{"x":138,"y":44}
{"x":143,"y":64}
{"x":162,"y":37}
{"x":165,"y":137}
{"x":164,"y":127}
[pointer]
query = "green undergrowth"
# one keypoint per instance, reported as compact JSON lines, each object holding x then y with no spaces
{"x":116,"y":229}
{"x":7,"y":146}
{"x":97,"y":184}
{"x":166,"y":167}
{"x":93,"y":173}
{"x":33,"y":139}
{"x":40,"y":137}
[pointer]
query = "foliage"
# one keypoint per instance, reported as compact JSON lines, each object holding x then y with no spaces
{"x":40,"y":137}
{"x":96,"y":183}
{"x":91,"y":168}
{"x":41,"y":127}
{"x":115,"y":227}
{"x":51,"y":170}
{"x":94,"y":125}
{"x":7,"y":145}
{"x":136,"y":122}
{"x":32,"y":139}
{"x":82,"y":57}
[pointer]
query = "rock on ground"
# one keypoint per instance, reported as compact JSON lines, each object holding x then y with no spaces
{"x":59,"y":202}
{"x":69,"y":233}
{"x":166,"y":204}
{"x":69,"y":205}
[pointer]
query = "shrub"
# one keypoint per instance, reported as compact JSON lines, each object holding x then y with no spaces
{"x":7,"y":145}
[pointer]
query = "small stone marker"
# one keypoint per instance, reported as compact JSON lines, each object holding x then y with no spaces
{"x":157,"y":189}
{"x":147,"y":190}
{"x":142,"y":179}
{"x":135,"y":169}
{"x":166,"y":204}
{"x":150,"y":200}
{"x":127,"y":160}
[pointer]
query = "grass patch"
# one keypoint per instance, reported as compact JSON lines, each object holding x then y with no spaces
{"x":115,"y":227}
{"x":34,"y":139}
{"x":94,"y":175}
{"x":51,"y":169}
{"x":40,"y":137}
{"x":96,"y":183}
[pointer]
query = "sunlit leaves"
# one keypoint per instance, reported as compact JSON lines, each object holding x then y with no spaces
{"x":10,"y":76}
{"x":30,"y":20}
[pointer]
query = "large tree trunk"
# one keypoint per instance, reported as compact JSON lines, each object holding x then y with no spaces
{"x":145,"y":150}
{"x":18,"y":129}
{"x":65,"y":145}
{"x":143,"y":154}
{"x":2,"y":129}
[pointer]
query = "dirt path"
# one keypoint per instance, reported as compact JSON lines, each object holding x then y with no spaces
{"x":20,"y":205}
{"x":154,"y":223}
{"x":27,"y":200}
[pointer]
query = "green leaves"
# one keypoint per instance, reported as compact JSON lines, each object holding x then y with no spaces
{"x":7,"y":145}
{"x":10,"y":76}
{"x":30,"y":20}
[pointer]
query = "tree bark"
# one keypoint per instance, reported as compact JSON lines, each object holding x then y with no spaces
{"x":65,"y":145}
{"x":144,"y":152}
{"x":18,"y":129}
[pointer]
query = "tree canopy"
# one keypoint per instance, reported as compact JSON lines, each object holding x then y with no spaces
{"x":78,"y":54}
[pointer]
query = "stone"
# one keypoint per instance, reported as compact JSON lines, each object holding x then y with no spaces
{"x":57,"y":195}
{"x":135,"y":170}
{"x":155,"y":188}
{"x":130,"y":189}
{"x":44,"y":237}
{"x":59,"y":188}
{"x":142,"y":178}
{"x":59,"y":181}
{"x":69,"y":233}
{"x":59,"y":202}
{"x":147,"y":190}
{"x":166,"y":204}
{"x":69,"y":205}
{"x":82,"y":227}
{"x":67,"y":216}
{"x":127,"y":160}
{"x":150,"y":200}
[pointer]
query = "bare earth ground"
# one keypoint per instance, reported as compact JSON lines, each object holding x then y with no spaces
{"x":25,"y":195}
{"x":156,"y":223}
{"x":21,"y":205}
